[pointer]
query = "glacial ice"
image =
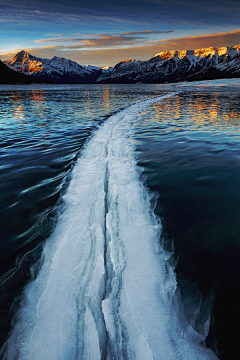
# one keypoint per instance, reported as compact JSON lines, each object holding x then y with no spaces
{"x":105,"y":289}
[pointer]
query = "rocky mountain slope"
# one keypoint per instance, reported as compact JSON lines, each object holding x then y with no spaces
{"x":172,"y":66}
{"x":56,"y":69}
{"x":8,"y":76}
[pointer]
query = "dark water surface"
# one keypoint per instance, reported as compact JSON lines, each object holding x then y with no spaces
{"x":191,"y":156}
{"x":188,"y":146}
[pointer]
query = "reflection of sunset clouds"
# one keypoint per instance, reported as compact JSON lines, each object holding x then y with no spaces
{"x":106,"y":95}
{"x":35,"y":102}
{"x":213,"y":114}
{"x":18,"y":112}
{"x":17,"y":97}
{"x":38,"y":95}
{"x":178,"y":106}
{"x":18,"y":107}
{"x":39,"y":105}
{"x":165,"y":107}
{"x":89,"y":99}
{"x":233,"y":115}
{"x":168,"y":110}
{"x":206,"y":111}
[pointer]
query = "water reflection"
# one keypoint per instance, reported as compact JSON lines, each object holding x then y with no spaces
{"x":33,"y":102}
{"x":106,"y":95}
{"x":18,"y":112}
{"x":38,"y":95}
{"x":39,"y":107}
{"x":18,"y":108}
{"x":200,"y":111}
{"x":178,"y":106}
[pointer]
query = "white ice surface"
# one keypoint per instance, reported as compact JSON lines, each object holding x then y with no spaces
{"x":105,"y":289}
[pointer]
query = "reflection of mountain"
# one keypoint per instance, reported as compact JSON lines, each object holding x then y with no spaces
{"x":168,"y":66}
{"x":8,"y":76}
{"x":57,"y":69}
{"x":172,"y":66}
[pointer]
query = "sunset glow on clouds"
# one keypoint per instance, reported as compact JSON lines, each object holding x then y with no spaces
{"x":106,"y":32}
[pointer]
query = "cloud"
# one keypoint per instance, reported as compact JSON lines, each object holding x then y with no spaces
{"x":44,"y":12}
{"x":104,"y":51}
{"x":58,"y":34}
{"x":106,"y":41}
{"x":75,"y":34}
{"x":96,"y":42}
{"x":101,"y":40}
{"x":59,"y":39}
{"x":147,"y":32}
{"x":194,"y":42}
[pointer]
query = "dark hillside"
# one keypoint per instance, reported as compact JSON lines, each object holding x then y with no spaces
{"x":8,"y":76}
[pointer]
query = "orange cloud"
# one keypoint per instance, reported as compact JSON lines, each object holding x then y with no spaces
{"x":102,"y":52}
{"x":97,"y":42}
{"x":194,"y":42}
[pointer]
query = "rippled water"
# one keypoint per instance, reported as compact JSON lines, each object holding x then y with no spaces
{"x":188,"y":146}
{"x":42,"y":131}
{"x":191,"y":158}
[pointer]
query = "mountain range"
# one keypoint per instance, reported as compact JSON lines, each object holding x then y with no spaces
{"x":173,"y":66}
{"x":57,"y":69}
{"x":167,"y":66}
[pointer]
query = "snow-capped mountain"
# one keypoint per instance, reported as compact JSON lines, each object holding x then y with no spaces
{"x":56,"y":69}
{"x":171,"y":66}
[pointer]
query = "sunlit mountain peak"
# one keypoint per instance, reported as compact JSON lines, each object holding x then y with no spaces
{"x":199,"y":53}
{"x":165,"y":55}
{"x":25,"y":63}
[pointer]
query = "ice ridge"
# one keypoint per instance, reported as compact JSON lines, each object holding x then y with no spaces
{"x":105,"y":289}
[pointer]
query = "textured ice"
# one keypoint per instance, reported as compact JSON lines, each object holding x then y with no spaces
{"x":105,"y":289}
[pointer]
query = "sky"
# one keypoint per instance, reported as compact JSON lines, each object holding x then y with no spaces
{"x":105,"y":32}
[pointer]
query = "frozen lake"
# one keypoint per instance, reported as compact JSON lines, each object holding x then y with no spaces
{"x":132,"y":193}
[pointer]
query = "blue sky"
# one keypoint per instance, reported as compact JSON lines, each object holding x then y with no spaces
{"x":106,"y":32}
